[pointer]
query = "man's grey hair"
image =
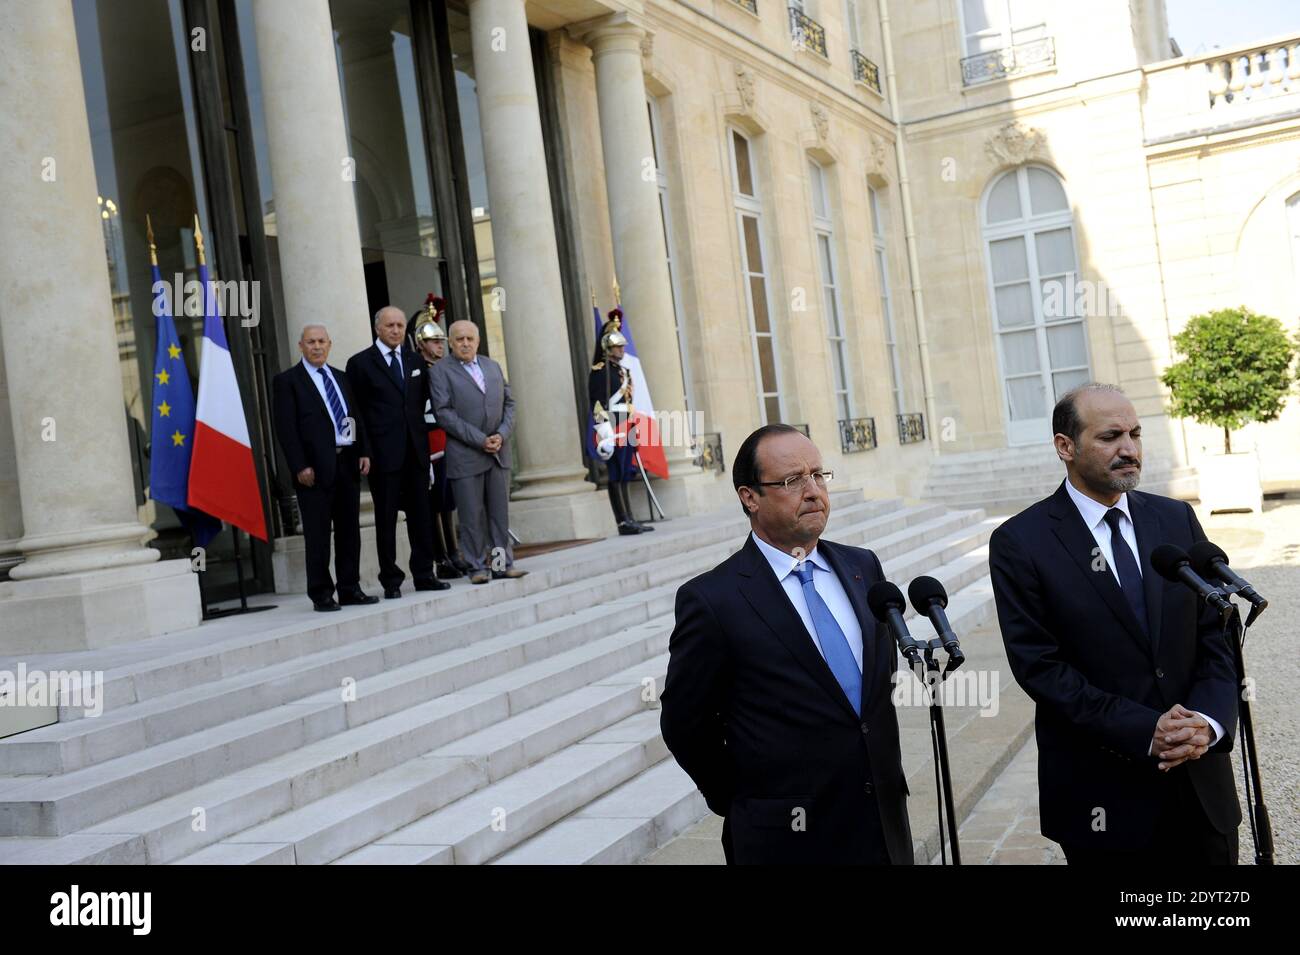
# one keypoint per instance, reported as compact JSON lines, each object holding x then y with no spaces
{"x":1065,"y":416}
{"x":385,"y":309}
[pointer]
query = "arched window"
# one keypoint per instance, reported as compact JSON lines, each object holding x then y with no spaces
{"x":1033,"y":291}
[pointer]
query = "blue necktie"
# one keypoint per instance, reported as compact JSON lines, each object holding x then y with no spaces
{"x":395,"y":366}
{"x":835,"y":646}
{"x":336,"y":406}
{"x":1130,"y":579}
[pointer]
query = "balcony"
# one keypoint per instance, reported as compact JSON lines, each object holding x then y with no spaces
{"x":750,"y":5}
{"x":857,"y":434}
{"x":807,"y":34}
{"x":911,"y":428}
{"x":866,"y":72}
{"x":1222,"y":90}
{"x":1009,"y":61}
{"x":707,"y":453}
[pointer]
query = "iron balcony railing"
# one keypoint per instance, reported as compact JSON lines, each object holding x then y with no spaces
{"x":911,"y":428}
{"x":1009,"y":61}
{"x":857,"y":434}
{"x":807,"y":33}
{"x":866,"y":72}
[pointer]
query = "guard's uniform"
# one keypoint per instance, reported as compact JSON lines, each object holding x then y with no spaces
{"x":609,"y":393}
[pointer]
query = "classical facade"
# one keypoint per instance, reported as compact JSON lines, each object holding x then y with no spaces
{"x":906,"y":227}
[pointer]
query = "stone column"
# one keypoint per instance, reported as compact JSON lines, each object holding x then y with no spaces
{"x":315,"y":208}
{"x":60,"y":349}
{"x":528,"y":268}
{"x":84,"y":579}
{"x":636,"y":224}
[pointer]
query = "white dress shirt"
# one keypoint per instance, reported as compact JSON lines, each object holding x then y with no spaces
{"x":315,"y":376}
{"x":386,"y":351}
{"x":827,"y":585}
{"x":1094,"y":516}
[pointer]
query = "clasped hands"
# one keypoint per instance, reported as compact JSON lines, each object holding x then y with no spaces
{"x":492,"y":443}
{"x":1180,"y":735}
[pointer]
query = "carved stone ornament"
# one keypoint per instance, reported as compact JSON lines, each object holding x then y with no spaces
{"x":821,"y":120}
{"x":648,"y":46}
{"x":1016,"y":143}
{"x":876,"y":155}
{"x":745,"y":86}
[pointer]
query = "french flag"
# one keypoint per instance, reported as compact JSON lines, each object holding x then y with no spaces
{"x":223,"y":481}
{"x":643,"y":429}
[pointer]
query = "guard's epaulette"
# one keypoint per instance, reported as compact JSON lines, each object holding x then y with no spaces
{"x":598,"y":366}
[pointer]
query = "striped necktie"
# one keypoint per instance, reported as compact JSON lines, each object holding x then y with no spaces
{"x":336,"y":405}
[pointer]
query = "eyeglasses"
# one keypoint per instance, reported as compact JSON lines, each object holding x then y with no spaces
{"x":820,"y":478}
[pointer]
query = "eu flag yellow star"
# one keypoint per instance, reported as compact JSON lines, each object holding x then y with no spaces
{"x":163,"y":377}
{"x":173,"y":351}
{"x":164,"y":409}
{"x":178,"y":440}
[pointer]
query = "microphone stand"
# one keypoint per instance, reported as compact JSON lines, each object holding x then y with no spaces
{"x":1261,"y":829}
{"x":939,"y":743}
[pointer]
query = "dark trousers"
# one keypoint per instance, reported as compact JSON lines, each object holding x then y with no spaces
{"x":1182,"y":835}
{"x":338,"y":504}
{"x":405,"y":489}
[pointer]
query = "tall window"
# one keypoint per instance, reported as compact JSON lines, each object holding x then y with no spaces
{"x":824,"y":240}
{"x":997,"y":24}
{"x":851,"y":24}
{"x":1042,"y":340}
{"x":878,"y":231}
{"x":665,"y":214}
{"x":1293,"y":217}
{"x":753,"y":265}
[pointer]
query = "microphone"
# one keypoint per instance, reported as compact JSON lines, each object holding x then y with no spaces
{"x":1209,"y":560}
{"x":929,"y":599}
{"x":1172,"y":563}
{"x":887,"y":606}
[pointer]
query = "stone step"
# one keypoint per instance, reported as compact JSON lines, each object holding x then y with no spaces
{"x":620,"y":827}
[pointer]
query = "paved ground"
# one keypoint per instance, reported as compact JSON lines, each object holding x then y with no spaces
{"x":1002,"y":828}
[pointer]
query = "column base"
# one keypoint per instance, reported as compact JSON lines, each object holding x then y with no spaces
{"x":560,"y":517}
{"x":695,"y":492}
{"x":289,"y":560}
{"x":98,"y":609}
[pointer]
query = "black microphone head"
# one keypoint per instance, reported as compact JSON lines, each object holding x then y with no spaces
{"x":1166,"y":559}
{"x":884,"y":597}
{"x":1203,"y":555}
{"x":924,"y":591}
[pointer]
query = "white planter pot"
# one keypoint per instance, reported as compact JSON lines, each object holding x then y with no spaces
{"x":1230,"y":482}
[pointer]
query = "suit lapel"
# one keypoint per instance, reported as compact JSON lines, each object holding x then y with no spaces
{"x":765,"y":594}
{"x":384,"y":369}
{"x":1081,"y":546}
{"x":1147,"y":525}
{"x":856,"y":587}
{"x":310,"y":385}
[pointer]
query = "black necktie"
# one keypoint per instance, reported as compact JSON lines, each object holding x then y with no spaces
{"x":396,"y":368}
{"x":1130,"y":579}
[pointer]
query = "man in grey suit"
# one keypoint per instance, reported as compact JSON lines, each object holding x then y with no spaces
{"x":471,"y":401}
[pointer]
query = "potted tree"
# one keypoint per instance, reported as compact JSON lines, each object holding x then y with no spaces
{"x":1235,"y":369}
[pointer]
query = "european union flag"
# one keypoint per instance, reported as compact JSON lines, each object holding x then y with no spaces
{"x":172,"y":434}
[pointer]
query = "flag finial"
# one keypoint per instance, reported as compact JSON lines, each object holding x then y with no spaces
{"x":618,"y":298}
{"x":153,"y":249}
{"x":198,"y":240}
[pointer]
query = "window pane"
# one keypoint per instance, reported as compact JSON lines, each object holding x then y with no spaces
{"x":1009,"y":261}
{"x":818,"y":178}
{"x":1055,"y":251}
{"x":758,"y":293}
{"x":837,"y":365}
{"x":1063,"y":382}
{"x":1013,"y":306}
{"x":654,"y":134}
{"x":983,"y":14}
{"x":753,"y":248}
{"x":877,"y":226}
{"x":1066,"y":346}
{"x":824,"y":258}
{"x":766,"y":364}
{"x":1058,"y":298}
{"x":1025,"y":399}
{"x":744,"y":175}
{"x":773,"y":408}
{"x":1019,"y":353}
{"x":882,"y":273}
{"x":1045,"y":192}
{"x":1004,"y":200}
{"x":832,"y":314}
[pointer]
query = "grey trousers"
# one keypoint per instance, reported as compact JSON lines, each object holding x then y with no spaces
{"x":482,"y":503}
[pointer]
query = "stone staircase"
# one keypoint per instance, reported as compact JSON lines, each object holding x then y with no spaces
{"x":512,"y":723}
{"x":1007,"y":480}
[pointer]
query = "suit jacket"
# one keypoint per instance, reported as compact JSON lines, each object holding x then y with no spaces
{"x":755,"y":716}
{"x":1099,"y":681}
{"x":394,"y":418}
{"x":469,"y":415}
{"x":304,"y":424}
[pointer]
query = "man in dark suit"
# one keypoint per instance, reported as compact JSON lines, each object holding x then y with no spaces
{"x":389,"y":380}
{"x":325,"y":444}
{"x":1134,"y":684}
{"x":471,"y":400}
{"x":778,"y":700}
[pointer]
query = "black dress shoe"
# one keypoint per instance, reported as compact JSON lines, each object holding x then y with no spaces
{"x":448,"y":572}
{"x":627,"y":528}
{"x":357,"y":599}
{"x":324,"y":606}
{"x":644,"y":527}
{"x":432,"y":583}
{"x":392,"y":593}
